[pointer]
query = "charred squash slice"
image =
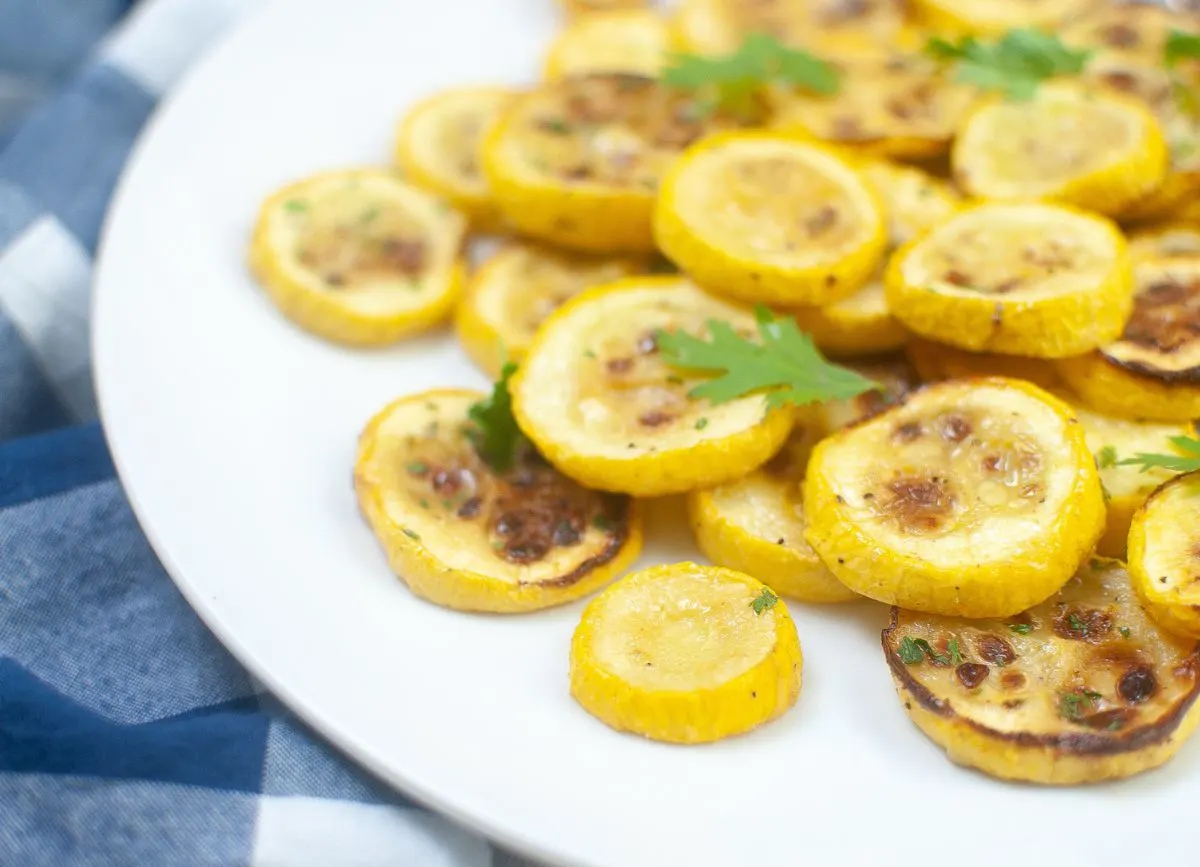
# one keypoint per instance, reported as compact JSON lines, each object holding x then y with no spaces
{"x":975,"y":498}
{"x":756,"y":525}
{"x":359,"y":257}
{"x":1152,"y":370}
{"x":1164,"y":555}
{"x":577,"y":162}
{"x":686,"y":654}
{"x":765,"y":219}
{"x":438,"y":146}
{"x":509,"y":298}
{"x":1081,"y":688}
{"x":598,"y":402}
{"x":633,"y":40}
{"x":1071,"y":142}
{"x":1016,"y":279}
{"x":464,"y":536}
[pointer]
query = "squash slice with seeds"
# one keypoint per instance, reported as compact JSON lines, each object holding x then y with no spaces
{"x":600,"y":404}
{"x":1071,"y":142}
{"x":577,"y":162}
{"x":359,"y":257}
{"x":438,"y":147}
{"x":761,"y":218}
{"x":756,"y":525}
{"x":465,"y":536}
{"x":1081,"y":688}
{"x":1164,"y":555}
{"x":509,"y":298}
{"x":686,"y":654}
{"x":1152,"y":369}
{"x":633,"y":40}
{"x":975,"y":498}
{"x":1015,"y":279}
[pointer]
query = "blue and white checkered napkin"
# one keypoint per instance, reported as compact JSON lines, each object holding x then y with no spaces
{"x":128,"y":736}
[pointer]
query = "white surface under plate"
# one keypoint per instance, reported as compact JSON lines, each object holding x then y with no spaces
{"x":235,"y":433}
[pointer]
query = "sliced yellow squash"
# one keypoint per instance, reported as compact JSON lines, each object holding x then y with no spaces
{"x":896,"y":378}
{"x":756,"y":525}
{"x":516,"y":289}
{"x":599,"y":403}
{"x":1165,"y":241}
{"x":1134,"y":30}
{"x":438,"y":147}
{"x":914,"y":201}
{"x":975,"y":498}
{"x":762,"y":218}
{"x":577,"y":162}
{"x":686,"y":654}
{"x":993,"y":17}
{"x":1073,"y":143}
{"x":1164,"y":555}
{"x":1016,"y":279}
{"x":467,"y":537}
{"x":1082,"y":688}
{"x":937,"y":361}
{"x":634,"y":40}
{"x":360,"y":256}
{"x":1152,"y":369}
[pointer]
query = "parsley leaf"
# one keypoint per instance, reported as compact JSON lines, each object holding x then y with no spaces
{"x":910,"y":653}
{"x":1180,"y":46}
{"x":1106,"y":457}
{"x":764,"y":601}
{"x":1182,"y":463}
{"x":913,"y":650}
{"x":1021,"y":628}
{"x":786,"y":362}
{"x":1014,"y":64}
{"x":1072,"y":705}
{"x":1125,"y":631}
{"x":732,"y":81}
{"x":494,"y":431}
{"x":955,"y":652}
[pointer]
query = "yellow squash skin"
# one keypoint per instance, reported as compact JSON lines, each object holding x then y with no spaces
{"x":1152,"y":369}
{"x":756,"y":525}
{"x":359,"y":257}
{"x":677,"y":654}
{"x":1082,"y":688}
{"x":937,"y":361}
{"x":994,"y":17}
{"x":975,"y":498}
{"x":577,"y":162}
{"x":516,"y":289}
{"x":1164,"y":555}
{"x":1030,"y":279}
{"x":437,"y":511}
{"x":760,"y":218}
{"x":438,"y":145}
{"x":1126,"y":488}
{"x":1072,"y":143}
{"x":627,"y":40}
{"x":600,"y":405}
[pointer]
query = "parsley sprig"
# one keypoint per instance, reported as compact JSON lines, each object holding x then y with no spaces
{"x":1180,"y":46}
{"x":786,"y":364}
{"x":1181,"y":463}
{"x":1014,"y":64}
{"x":493,"y":429}
{"x":914,"y":650}
{"x":733,"y":81}
{"x":1073,"y":705}
{"x":765,"y":601}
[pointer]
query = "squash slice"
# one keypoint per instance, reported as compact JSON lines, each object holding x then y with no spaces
{"x":1164,"y":555}
{"x":438,"y":147}
{"x":976,"y":498}
{"x":761,"y":218}
{"x":1016,"y":279}
{"x":467,"y":537}
{"x":516,"y":289}
{"x":1071,"y":142}
{"x":577,"y":162}
{"x":896,"y":378}
{"x":359,"y":257}
{"x":686,"y":654}
{"x":936,"y":362}
{"x":1152,"y":370}
{"x":1165,"y":241}
{"x":634,"y":40}
{"x":598,"y":402}
{"x":756,"y":525}
{"x":993,"y":17}
{"x":1081,"y":688}
{"x":1136,"y":31}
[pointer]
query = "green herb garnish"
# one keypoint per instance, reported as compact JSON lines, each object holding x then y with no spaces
{"x":417,"y":468}
{"x":764,"y":601}
{"x":295,"y":206}
{"x":1014,"y":64}
{"x":412,"y":534}
{"x":909,"y":652}
{"x":1125,"y":631}
{"x":1180,"y":46}
{"x":1021,"y":628}
{"x":701,"y":424}
{"x":1184,"y":463}
{"x":785,"y":364}
{"x":1072,"y":705}
{"x":494,"y":431}
{"x":1106,"y":457}
{"x":913,"y":650}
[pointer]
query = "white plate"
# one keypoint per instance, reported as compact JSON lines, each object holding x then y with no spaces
{"x":234,"y":434}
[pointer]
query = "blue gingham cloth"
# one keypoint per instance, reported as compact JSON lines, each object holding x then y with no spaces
{"x":128,"y":735}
